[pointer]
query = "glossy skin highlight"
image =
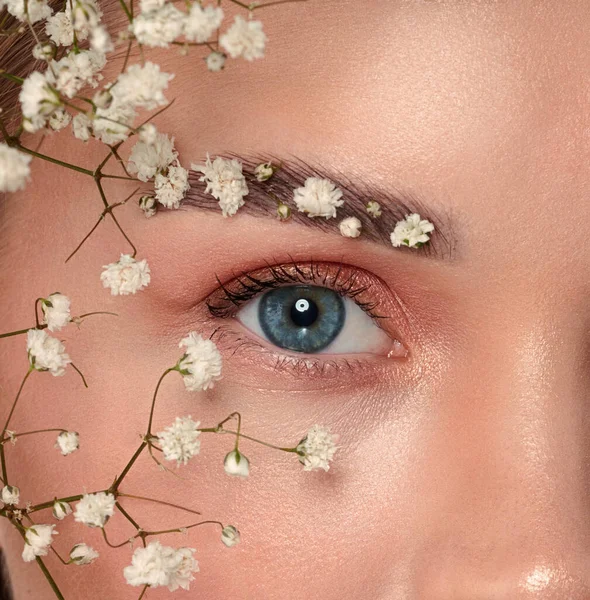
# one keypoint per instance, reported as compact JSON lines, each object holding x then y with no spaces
{"x":464,"y":468}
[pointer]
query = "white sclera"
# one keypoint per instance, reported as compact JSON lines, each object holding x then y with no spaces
{"x":359,"y":334}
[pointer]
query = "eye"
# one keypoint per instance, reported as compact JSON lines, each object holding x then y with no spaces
{"x":313,"y":319}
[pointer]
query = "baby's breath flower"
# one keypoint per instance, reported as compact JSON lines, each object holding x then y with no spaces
{"x":202,"y":22}
{"x":171,"y":187}
{"x":61,"y":510}
{"x":283,"y":211}
{"x":148,"y":134}
{"x":81,"y":127}
{"x":157,"y":565}
{"x":59,"y":27}
{"x":59,"y":119}
{"x":412,"y":232}
{"x":317,"y":448}
{"x":215,"y":61}
{"x":38,"y":538}
{"x":44,"y":51}
{"x":86,"y":17}
{"x":148,"y":205}
{"x":126,"y":276}
{"x":46,"y":353}
{"x":35,"y":10}
{"x":235,"y":463}
{"x":56,"y":311}
{"x":10,"y":494}
{"x":148,"y":159}
{"x":318,"y":198}
{"x":374,"y":209}
{"x":37,"y":100}
{"x":225,"y":182}
{"x":230,"y":536}
{"x":100,"y":40}
{"x":112,"y":124}
{"x":75,"y":71}
{"x":95,"y":510}
{"x":180,"y":441}
{"x":350,"y":227}
{"x":14,"y":169}
{"x":67,"y":442}
{"x":103,"y":98}
{"x":142,"y":86}
{"x":200,"y":365}
{"x":159,"y":27}
{"x":81,"y":554}
{"x":244,"y":38}
{"x":264,"y":171}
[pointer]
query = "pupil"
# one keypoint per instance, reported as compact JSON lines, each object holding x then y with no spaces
{"x":304,"y":312}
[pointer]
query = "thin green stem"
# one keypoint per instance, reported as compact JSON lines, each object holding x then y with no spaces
{"x":127,"y":516}
{"x":20,"y":389}
{"x":243,"y":435}
{"x":20,"y":331}
{"x":143,"y":592}
{"x":105,"y":202}
{"x":50,"y":503}
{"x":149,"y":428}
{"x":104,"y":535}
{"x":10,"y":77}
{"x":180,"y":529}
{"x":17,"y":435}
{"x":194,"y":512}
{"x":126,"y":9}
{"x":55,"y":161}
{"x":80,"y":373}
{"x":117,"y":483}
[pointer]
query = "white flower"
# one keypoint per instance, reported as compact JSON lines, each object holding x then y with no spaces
{"x":38,"y":538}
{"x":264,"y":171}
{"x":43,"y":51}
{"x":350,"y":227}
{"x":46,"y":353}
{"x":158,"y":28}
{"x":86,"y":17}
{"x":318,"y":198}
{"x":171,"y":188}
{"x":148,"y":134}
{"x":112,"y":124}
{"x":412,"y":232}
{"x":215,"y":61}
{"x":37,"y":100}
{"x":235,"y":463}
{"x":67,"y":442}
{"x":56,"y":311}
{"x":127,"y":276}
{"x":75,"y":71}
{"x":283,"y":212}
{"x":81,"y":126}
{"x":200,"y":365}
{"x":225,"y":182}
{"x":60,"y":28}
{"x":148,"y":159}
{"x":180,"y":441}
{"x":317,"y":448}
{"x":202,"y":22}
{"x":59,"y":119}
{"x":36,"y":10}
{"x":10,"y":494}
{"x":61,"y":510}
{"x":230,"y":536}
{"x":100,"y":40}
{"x":147,"y":6}
{"x":148,"y":205}
{"x":244,"y":38}
{"x":14,"y":169}
{"x":81,"y":554}
{"x":374,"y":209}
{"x":95,"y":510}
{"x":142,"y":86}
{"x":157,"y":565}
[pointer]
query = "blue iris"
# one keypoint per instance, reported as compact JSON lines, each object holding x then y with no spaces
{"x":302,"y":318}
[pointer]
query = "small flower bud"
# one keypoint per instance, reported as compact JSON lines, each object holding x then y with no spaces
{"x":236,"y":464}
{"x":215,"y":61}
{"x":230,"y":536}
{"x":148,"y":205}
{"x":81,"y":554}
{"x":148,"y":134}
{"x":44,"y":51}
{"x":283,"y":212}
{"x":103,"y":99}
{"x":374,"y":209}
{"x":264,"y":171}
{"x":67,"y":442}
{"x":61,"y":510}
{"x":10,"y":494}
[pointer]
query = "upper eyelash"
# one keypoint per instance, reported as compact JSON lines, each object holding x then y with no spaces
{"x":248,"y":286}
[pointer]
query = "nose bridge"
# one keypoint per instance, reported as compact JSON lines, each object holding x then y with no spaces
{"x":516,"y":496}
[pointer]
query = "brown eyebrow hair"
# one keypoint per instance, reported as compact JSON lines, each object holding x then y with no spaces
{"x":261,"y":201}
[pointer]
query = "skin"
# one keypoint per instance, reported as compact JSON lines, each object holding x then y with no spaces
{"x":463,"y":469}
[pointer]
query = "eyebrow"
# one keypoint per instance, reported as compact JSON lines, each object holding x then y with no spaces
{"x":261,"y":201}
